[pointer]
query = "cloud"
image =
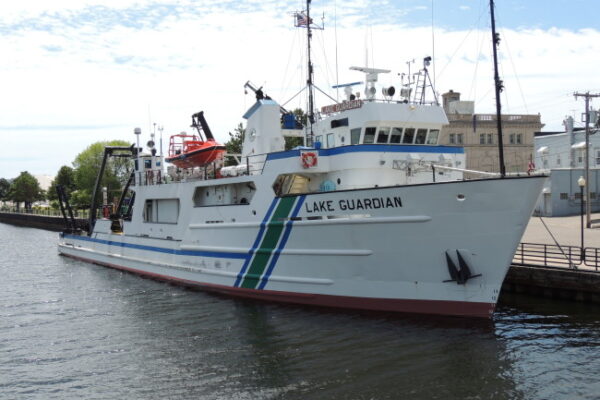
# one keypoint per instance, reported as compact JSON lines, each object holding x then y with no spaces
{"x":82,"y":71}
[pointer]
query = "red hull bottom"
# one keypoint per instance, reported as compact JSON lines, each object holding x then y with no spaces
{"x":436,"y":307}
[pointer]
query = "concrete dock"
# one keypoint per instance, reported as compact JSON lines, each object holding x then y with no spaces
{"x":553,"y":276}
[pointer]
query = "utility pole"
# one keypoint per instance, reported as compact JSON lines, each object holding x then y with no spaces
{"x":588,"y":208}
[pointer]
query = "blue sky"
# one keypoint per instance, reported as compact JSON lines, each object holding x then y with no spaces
{"x":74,"y":72}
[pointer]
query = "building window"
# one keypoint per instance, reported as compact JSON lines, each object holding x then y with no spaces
{"x":489,"y":138}
{"x":511,"y":138}
{"x":482,"y":138}
{"x":452,"y":138}
{"x":459,"y":138}
{"x":558,"y":160}
{"x":519,"y":138}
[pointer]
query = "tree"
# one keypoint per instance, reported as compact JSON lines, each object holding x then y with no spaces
{"x":64,"y":177}
{"x":4,"y":188}
{"x":87,"y":165}
{"x":25,"y":189}
{"x":291,"y":142}
{"x":234,"y":145}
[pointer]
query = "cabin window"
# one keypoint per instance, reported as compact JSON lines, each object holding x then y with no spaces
{"x":421,"y":135}
{"x":355,"y":136}
{"x":432,"y":138}
{"x":339,"y":122}
{"x":162,"y":211}
{"x":369,"y":135}
{"x":240,"y":193}
{"x":409,"y":135}
{"x":383,"y":135}
{"x":396,"y":136}
{"x":330,"y":140}
{"x":319,"y":139}
{"x":597,"y":157}
{"x":148,"y":164}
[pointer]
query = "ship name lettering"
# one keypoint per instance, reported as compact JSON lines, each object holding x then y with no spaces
{"x":319,"y":206}
{"x":370,"y":203}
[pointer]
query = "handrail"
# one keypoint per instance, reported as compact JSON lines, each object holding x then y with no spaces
{"x":549,"y":255}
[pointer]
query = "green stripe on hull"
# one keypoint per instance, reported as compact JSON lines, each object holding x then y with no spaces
{"x":262,"y":255}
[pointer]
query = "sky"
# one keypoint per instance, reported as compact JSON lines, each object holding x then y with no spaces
{"x":74,"y":72}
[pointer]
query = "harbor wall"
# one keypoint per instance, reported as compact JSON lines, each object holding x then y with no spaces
{"x":551,"y":282}
{"x":47,"y":222}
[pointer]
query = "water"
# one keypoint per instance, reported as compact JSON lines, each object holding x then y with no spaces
{"x":71,"y":330}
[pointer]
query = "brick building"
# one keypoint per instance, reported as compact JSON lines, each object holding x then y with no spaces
{"x":478,"y":134}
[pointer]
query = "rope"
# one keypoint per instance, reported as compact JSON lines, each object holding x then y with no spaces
{"x":558,"y":245}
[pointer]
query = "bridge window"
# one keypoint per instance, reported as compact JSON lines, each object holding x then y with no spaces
{"x":432,"y":138}
{"x":409,"y":135}
{"x":421,"y":135}
{"x":355,"y":136}
{"x":396,"y":135}
{"x":383,"y":136}
{"x":369,"y":135}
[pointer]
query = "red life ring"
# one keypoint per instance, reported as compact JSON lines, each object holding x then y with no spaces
{"x":530,"y":167}
{"x":309,"y":159}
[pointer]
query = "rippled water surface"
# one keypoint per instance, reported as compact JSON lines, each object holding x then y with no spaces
{"x":71,"y":330}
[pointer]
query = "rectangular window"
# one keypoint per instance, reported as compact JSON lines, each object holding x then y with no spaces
{"x":339,"y":122}
{"x":319,"y":139}
{"x":511,"y":138}
{"x":355,"y":136}
{"x":459,"y":138}
{"x":383,"y":135}
{"x":482,"y":138}
{"x":432,"y":138}
{"x":397,"y":136}
{"x":558,"y":160}
{"x":519,"y":138}
{"x":452,"y":138}
{"x":165,"y":211}
{"x":421,"y":136}
{"x":369,"y":135}
{"x":330,"y":140}
{"x":597,"y":157}
{"x":564,"y":196}
{"x":409,"y":135}
{"x":490,"y":139}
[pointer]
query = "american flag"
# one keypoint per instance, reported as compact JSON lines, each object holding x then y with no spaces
{"x":302,"y":20}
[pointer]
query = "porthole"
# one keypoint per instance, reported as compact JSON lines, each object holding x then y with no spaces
{"x":460,"y":197}
{"x":339,"y":181}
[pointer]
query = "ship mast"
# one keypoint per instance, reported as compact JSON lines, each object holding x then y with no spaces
{"x":309,"y":81}
{"x":499,"y":87}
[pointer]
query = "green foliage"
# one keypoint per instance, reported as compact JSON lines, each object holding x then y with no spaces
{"x":64,"y":177}
{"x":234,"y":145}
{"x":80,"y":199}
{"x":291,"y":142}
{"x":87,"y":166}
{"x":4,"y":188}
{"x":25,"y":189}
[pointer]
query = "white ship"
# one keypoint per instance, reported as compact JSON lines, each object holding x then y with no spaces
{"x":372,"y":213}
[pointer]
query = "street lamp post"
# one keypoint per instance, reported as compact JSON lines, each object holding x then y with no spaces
{"x":581,"y":183}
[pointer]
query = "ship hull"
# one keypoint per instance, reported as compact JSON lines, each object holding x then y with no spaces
{"x":384,"y":249}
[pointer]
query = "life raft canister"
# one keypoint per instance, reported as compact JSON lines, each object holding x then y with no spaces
{"x":309,"y":159}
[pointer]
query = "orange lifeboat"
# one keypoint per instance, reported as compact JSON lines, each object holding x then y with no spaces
{"x":188,"y":151}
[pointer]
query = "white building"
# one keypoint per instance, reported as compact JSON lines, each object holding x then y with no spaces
{"x":562,"y":154}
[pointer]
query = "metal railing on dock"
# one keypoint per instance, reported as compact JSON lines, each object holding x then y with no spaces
{"x":549,"y":255}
